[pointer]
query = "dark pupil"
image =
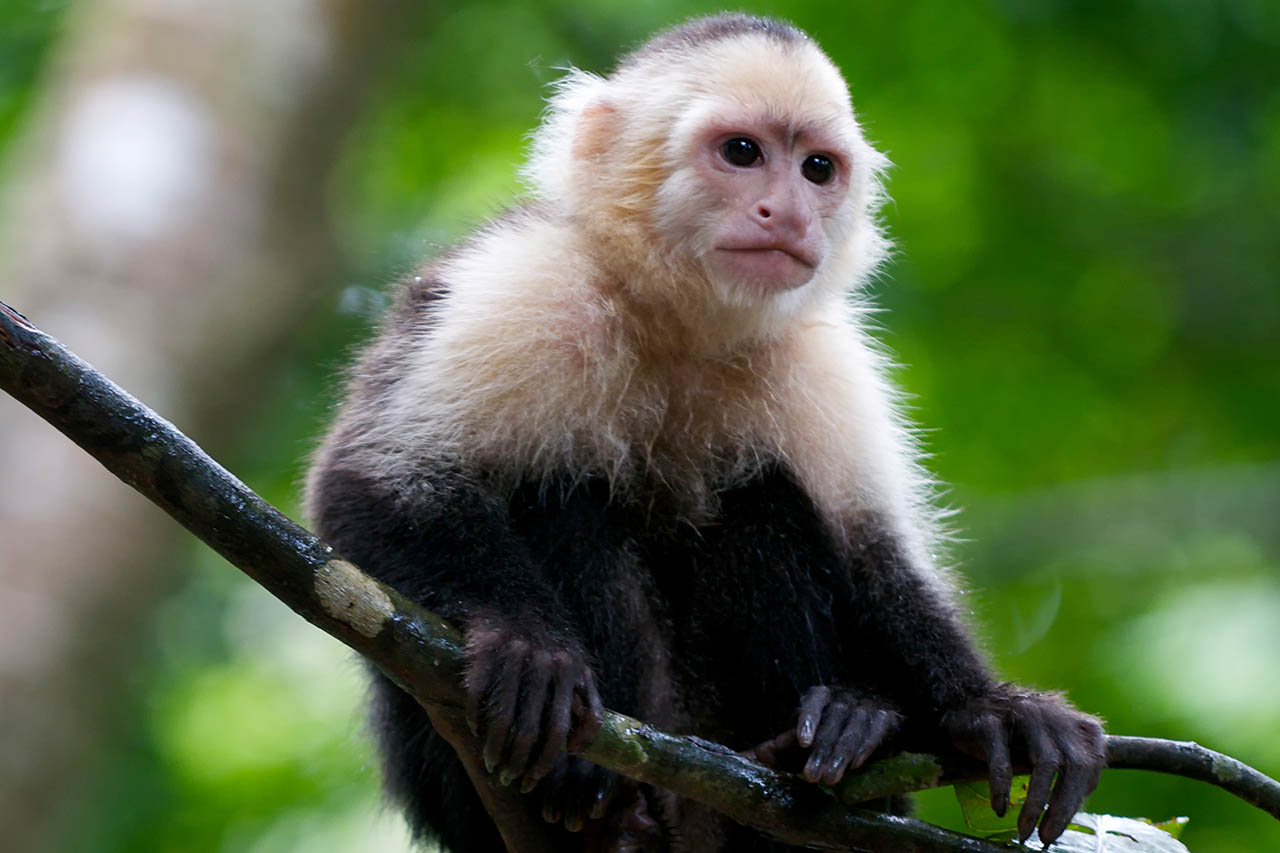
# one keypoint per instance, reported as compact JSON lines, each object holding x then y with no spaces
{"x":740,"y":151}
{"x":817,"y":168}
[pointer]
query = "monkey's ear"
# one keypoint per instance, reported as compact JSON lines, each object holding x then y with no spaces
{"x":597,"y":129}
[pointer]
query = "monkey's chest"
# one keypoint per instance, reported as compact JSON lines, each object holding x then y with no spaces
{"x":743,"y":603}
{"x":754,"y":596}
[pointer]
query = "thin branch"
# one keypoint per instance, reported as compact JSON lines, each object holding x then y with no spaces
{"x":908,"y":772}
{"x":422,"y":653}
{"x":1189,"y":759}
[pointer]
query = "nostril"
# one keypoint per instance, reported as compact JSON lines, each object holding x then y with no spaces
{"x":763,"y":212}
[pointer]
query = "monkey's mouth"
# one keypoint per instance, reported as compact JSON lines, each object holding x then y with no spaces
{"x":798,"y":255}
{"x":770,"y":268}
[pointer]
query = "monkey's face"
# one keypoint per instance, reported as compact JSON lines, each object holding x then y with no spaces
{"x":776,"y":190}
{"x":767,"y":177}
{"x":732,"y":171}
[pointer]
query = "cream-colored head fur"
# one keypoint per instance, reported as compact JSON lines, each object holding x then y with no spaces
{"x":614,"y":153}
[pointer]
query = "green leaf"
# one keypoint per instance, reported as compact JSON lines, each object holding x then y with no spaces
{"x":1173,"y":825}
{"x":975,"y":802}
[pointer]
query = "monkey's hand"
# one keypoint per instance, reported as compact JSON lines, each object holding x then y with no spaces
{"x":574,"y":791}
{"x":837,"y":727}
{"x":530,"y":696}
{"x":1010,"y":726}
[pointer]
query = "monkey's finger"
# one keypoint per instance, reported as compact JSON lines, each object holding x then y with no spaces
{"x":883,"y":723}
{"x":811,"y":707}
{"x":1074,"y":783}
{"x":834,"y":719}
{"x":994,"y":737}
{"x":1045,"y":763}
{"x":590,"y":714}
{"x":553,"y":792}
{"x":479,"y":679}
{"x":1081,"y":769}
{"x":603,"y":794}
{"x":583,"y":782}
{"x":537,"y":681}
{"x":770,"y":752}
{"x":500,"y":709}
{"x":850,"y":743}
{"x":574,"y":805}
{"x":556,"y":729}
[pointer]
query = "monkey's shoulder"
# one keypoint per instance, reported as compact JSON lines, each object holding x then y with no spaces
{"x":519,"y":288}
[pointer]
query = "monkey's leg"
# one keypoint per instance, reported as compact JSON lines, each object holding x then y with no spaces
{"x":627,"y":827}
{"x":446,"y":793}
{"x":434,"y":768}
{"x":519,"y":826}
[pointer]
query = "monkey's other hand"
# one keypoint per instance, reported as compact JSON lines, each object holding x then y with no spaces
{"x":530,"y":696}
{"x":838,"y":727}
{"x":1011,"y":726}
{"x":574,"y":791}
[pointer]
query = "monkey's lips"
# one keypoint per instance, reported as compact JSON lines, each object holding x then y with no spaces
{"x":796,"y":253}
{"x":773,"y":265}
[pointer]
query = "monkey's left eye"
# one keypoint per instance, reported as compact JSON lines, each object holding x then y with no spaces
{"x":740,"y":151}
{"x":817,"y":169}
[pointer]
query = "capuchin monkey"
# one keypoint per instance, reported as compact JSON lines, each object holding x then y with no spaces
{"x":635,"y":439}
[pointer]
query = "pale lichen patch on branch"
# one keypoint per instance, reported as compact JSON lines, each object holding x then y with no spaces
{"x":352,"y":597}
{"x":1227,"y":769}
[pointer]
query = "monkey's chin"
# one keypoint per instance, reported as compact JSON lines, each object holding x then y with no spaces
{"x":763,"y":271}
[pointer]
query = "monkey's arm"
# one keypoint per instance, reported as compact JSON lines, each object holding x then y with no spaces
{"x":447,"y":543}
{"x":924,"y":662}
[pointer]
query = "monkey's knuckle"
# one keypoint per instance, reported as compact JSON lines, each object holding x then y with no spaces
{"x":816,"y":694}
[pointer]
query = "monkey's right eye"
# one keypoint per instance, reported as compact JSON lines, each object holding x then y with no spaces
{"x":740,"y":151}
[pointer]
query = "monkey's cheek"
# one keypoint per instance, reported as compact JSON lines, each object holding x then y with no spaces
{"x":765,"y":271}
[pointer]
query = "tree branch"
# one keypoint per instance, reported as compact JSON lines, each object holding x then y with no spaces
{"x":422,"y":653}
{"x":1185,"y":758}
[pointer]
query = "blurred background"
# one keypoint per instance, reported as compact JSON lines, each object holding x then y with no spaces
{"x":208,"y":200}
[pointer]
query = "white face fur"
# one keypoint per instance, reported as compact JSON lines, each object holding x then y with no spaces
{"x":775,"y":190}
{"x":737,"y":160}
{"x":770,"y":184}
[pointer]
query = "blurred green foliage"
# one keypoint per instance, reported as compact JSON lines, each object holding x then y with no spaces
{"x":1086,"y":299}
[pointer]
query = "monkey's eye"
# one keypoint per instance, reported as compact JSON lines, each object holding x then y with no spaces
{"x":740,"y":151}
{"x":817,"y":168}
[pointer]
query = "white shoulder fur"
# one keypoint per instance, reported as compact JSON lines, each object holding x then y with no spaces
{"x":537,"y":369}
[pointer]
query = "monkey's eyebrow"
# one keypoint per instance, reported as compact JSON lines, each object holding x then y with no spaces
{"x":821,"y":133}
{"x":817,"y":133}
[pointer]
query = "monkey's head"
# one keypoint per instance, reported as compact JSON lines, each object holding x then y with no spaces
{"x":721,"y":161}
